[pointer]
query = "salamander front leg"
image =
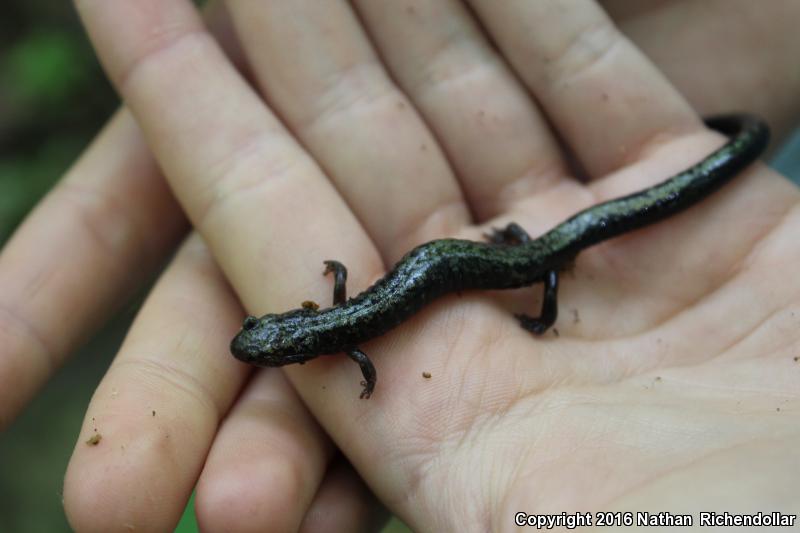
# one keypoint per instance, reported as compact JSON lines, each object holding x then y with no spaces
{"x":549,"y":312}
{"x":511,"y":234}
{"x":367,"y":370}
{"x":339,"y":280}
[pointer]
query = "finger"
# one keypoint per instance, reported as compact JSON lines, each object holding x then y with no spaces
{"x":343,"y":503}
{"x":99,"y":233}
{"x":494,"y":136}
{"x":336,"y":97}
{"x":266,"y":464}
{"x":602,"y":94}
{"x":156,"y":411}
{"x":250,"y":188}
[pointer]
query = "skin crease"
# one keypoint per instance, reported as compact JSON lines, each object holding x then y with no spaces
{"x":119,"y":485}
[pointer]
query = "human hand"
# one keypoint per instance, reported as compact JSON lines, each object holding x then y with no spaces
{"x":427,"y":453}
{"x":91,"y":279}
{"x":674,"y":35}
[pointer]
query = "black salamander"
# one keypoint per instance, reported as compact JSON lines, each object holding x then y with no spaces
{"x":509,"y":260}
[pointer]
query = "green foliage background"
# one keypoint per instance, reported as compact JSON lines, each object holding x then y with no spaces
{"x":53,"y":99}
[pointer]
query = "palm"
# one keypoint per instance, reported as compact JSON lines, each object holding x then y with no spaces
{"x":670,"y":363}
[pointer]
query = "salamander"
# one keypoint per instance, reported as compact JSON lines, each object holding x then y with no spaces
{"x":510,"y":259}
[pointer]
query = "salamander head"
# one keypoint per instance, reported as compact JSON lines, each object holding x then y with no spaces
{"x":273,"y":340}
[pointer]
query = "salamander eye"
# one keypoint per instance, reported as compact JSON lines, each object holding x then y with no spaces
{"x":249,"y":323}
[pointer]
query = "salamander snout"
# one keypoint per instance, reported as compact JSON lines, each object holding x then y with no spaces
{"x":243,"y":347}
{"x":271,"y":340}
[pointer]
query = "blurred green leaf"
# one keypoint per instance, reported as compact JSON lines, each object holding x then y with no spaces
{"x":44,"y":68}
{"x":188,"y":523}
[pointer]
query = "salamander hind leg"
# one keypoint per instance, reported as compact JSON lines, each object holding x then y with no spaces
{"x":511,"y":234}
{"x":367,"y":370}
{"x":547,"y":318}
{"x":339,"y":280}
